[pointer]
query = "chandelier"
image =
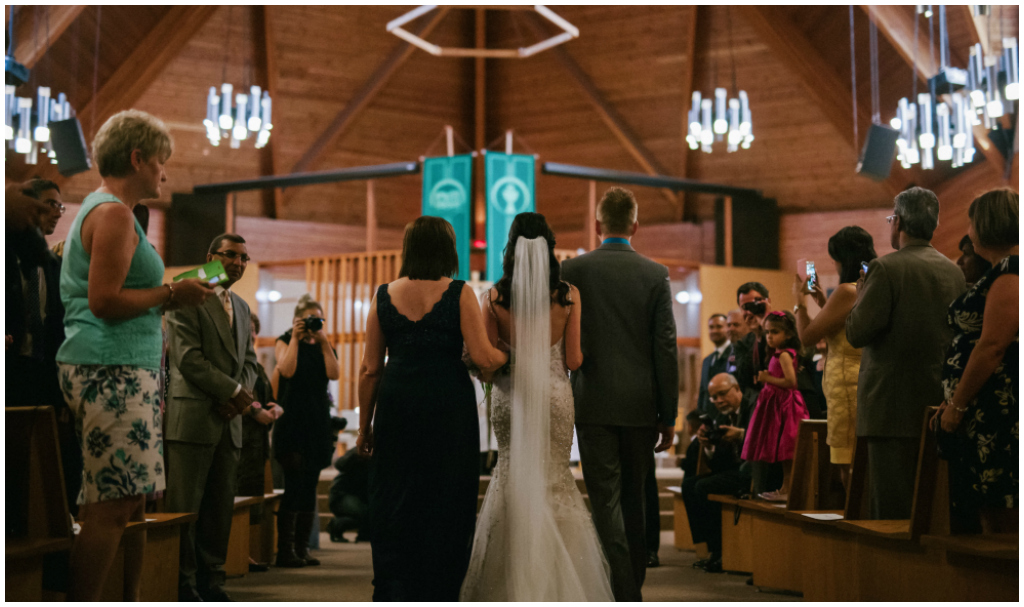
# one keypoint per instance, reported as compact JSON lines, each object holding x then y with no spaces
{"x":720,"y":118}
{"x":939,"y":123}
{"x":234,"y":116}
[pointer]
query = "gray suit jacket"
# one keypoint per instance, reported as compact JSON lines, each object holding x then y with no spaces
{"x":630,"y":373}
{"x":208,"y":360}
{"x":900,"y":322}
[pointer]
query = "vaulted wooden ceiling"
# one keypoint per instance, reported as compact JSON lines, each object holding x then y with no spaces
{"x":347,"y":93}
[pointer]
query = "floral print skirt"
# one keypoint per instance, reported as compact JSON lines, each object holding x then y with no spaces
{"x":118,"y":419}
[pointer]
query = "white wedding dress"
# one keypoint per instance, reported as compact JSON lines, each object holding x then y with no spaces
{"x":535,"y":540}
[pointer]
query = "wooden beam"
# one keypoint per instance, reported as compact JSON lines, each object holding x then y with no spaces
{"x":976,"y":31}
{"x":897,"y":25}
{"x":588,"y":229}
{"x":689,"y":36}
{"x":371,"y":217}
{"x":27,"y":25}
{"x":832,"y":95}
{"x":608,"y":115}
{"x":266,"y":60}
{"x":363,"y":96}
{"x":479,"y":127}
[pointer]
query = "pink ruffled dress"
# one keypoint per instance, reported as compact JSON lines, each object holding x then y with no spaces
{"x":775,"y":423}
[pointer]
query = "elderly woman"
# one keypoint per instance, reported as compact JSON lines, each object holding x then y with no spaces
{"x":848,"y":248}
{"x":981,"y":370}
{"x":110,"y":362}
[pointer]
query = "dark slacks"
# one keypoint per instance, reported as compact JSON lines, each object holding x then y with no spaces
{"x":615,"y":462}
{"x":892,"y":467}
{"x":202,"y":479}
{"x":652,"y":510}
{"x":704,"y":515}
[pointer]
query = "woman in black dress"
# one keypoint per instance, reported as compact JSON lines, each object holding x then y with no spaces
{"x":418,"y":420}
{"x":980,"y":377}
{"x":303,"y":442}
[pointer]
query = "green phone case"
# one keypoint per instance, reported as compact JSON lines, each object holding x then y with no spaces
{"x":213,"y":273}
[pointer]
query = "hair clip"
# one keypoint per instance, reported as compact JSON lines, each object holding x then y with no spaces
{"x":777,"y":313}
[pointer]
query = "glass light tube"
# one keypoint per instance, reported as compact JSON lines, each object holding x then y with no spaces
{"x":240,"y":132}
{"x":945,"y":149}
{"x":959,"y":123}
{"x":721,"y":120}
{"x":9,"y":107}
{"x":254,"y":109}
{"x":23,"y":142}
{"x":735,"y":137}
{"x":927,"y":136}
{"x":694,"y":117}
{"x":994,"y":105}
{"x":745,"y":124}
{"x":225,"y":107}
{"x":707,"y":136}
{"x":1012,"y":59}
{"x":42,"y":132}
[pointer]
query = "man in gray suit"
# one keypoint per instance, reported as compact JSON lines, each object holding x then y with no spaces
{"x":212,"y":372}
{"x":627,"y":390}
{"x":900,"y":322}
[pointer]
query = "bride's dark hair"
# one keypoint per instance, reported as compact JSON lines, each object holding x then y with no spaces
{"x":530,"y":225}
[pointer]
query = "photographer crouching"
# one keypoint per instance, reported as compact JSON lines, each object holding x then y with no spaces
{"x":721,"y":438}
{"x":303,"y":442}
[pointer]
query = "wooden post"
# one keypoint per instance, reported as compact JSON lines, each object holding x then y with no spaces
{"x":508,"y":141}
{"x":371,"y":217}
{"x":449,"y":134}
{"x":480,"y":130}
{"x":728,"y":231}
{"x":591,"y":218}
{"x":229,"y":212}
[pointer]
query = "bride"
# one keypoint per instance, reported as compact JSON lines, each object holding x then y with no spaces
{"x":535,"y":540}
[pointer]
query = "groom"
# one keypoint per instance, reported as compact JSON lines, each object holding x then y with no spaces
{"x":627,"y":389}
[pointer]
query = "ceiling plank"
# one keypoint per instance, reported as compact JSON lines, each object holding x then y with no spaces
{"x":832,"y":95}
{"x":897,"y":25}
{"x":363,"y":96}
{"x":265,"y":55}
{"x":28,"y":49}
{"x":605,"y":110}
{"x":689,"y":36}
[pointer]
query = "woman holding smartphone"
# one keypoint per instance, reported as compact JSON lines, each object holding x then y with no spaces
{"x":848,"y":248}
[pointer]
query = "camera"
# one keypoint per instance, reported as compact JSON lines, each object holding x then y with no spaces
{"x":757,"y":308}
{"x":313,"y":323}
{"x":712,"y":431}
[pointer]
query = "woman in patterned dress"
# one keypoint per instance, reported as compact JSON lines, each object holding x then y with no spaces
{"x":981,"y":371}
{"x":111,"y":288}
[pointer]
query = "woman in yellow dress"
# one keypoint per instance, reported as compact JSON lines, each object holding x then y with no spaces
{"x":848,"y":248}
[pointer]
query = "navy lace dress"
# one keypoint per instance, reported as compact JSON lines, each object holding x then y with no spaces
{"x":424,"y":476}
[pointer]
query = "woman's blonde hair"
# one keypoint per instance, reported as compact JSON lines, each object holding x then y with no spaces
{"x":307,"y":303}
{"x":995,"y":218}
{"x":125,"y":132}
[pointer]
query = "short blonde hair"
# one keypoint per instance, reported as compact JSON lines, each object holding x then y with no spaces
{"x":125,"y":132}
{"x":617,"y":211}
{"x":995,"y":218}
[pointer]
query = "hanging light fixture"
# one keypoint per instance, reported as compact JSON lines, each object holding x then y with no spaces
{"x":27,"y":123}
{"x":982,"y":94}
{"x":719,"y":118}
{"x":233,"y":116}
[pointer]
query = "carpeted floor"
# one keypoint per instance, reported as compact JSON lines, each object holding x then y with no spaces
{"x":346,"y":573}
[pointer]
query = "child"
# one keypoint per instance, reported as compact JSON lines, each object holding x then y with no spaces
{"x":775,"y":423}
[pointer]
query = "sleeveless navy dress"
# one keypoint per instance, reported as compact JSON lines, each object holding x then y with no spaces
{"x":424,"y":474}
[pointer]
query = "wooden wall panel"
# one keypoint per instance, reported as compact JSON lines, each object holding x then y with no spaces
{"x":271,"y":240}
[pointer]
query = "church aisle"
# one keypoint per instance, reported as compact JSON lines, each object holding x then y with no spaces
{"x":346,"y":573}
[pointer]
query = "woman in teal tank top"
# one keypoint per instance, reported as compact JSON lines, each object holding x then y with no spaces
{"x":111,"y":288}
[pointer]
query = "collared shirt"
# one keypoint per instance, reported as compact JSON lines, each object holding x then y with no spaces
{"x":615,"y":240}
{"x":720,"y":350}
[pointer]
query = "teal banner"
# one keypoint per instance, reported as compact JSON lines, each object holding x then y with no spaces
{"x":446,"y":193}
{"x":510,"y":188}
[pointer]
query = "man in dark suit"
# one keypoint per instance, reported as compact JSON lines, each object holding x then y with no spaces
{"x":751,"y":351}
{"x":716,"y":362}
{"x":728,"y":473}
{"x":213,"y":370}
{"x":627,"y":390}
{"x":900,"y":322}
{"x":35,"y":323}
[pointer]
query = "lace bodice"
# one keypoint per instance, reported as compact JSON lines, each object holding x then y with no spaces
{"x":437,"y":334}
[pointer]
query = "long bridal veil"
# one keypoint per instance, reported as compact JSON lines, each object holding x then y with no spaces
{"x":539,"y":565}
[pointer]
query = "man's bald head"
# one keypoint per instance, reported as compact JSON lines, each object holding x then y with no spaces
{"x":724,"y":392}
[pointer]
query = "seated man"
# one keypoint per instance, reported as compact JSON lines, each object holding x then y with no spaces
{"x":721,"y":439}
{"x":350,"y":497}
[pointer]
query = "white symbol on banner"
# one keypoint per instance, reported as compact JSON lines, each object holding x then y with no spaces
{"x":447,"y":194}
{"x":509,"y":195}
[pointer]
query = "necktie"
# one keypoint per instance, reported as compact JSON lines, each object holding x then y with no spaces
{"x":714,"y":358}
{"x":33,"y":317}
{"x":225,"y":300}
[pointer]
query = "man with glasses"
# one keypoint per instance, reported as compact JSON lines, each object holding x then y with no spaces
{"x":900,"y":322}
{"x":35,"y":324}
{"x":212,"y":372}
{"x":721,"y":438}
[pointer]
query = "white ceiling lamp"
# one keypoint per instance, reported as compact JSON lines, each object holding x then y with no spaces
{"x":719,"y":118}
{"x":569,"y":31}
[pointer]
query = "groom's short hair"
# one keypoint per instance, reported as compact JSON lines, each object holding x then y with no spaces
{"x":617,"y":211}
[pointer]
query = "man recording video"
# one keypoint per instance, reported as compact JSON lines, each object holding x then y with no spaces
{"x":721,"y":437}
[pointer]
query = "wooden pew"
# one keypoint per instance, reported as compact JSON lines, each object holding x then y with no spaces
{"x":237,"y":563}
{"x":38,"y":522}
{"x":263,"y":534}
{"x":681,"y":526}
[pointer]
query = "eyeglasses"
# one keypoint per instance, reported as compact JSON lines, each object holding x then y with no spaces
{"x":231,"y":256}
{"x":56,"y":206}
{"x":720,"y":394}
{"x":889,"y":219}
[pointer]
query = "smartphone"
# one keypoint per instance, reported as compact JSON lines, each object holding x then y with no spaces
{"x":864,"y":267}
{"x":213,"y":273}
{"x":812,"y":275}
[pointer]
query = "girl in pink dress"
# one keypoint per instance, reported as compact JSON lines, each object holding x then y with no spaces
{"x":775,"y":423}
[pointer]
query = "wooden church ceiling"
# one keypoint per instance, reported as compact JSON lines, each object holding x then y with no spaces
{"x":345,"y":94}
